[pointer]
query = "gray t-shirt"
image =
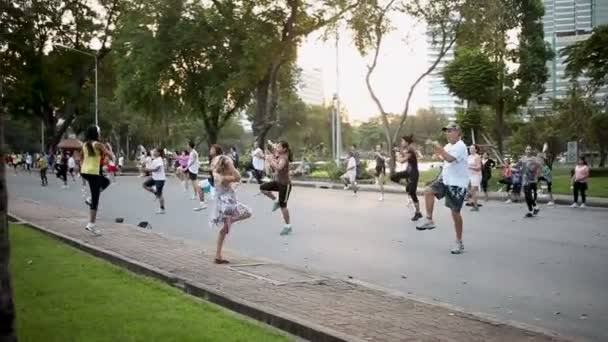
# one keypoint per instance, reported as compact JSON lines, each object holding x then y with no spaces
{"x":530,"y":167}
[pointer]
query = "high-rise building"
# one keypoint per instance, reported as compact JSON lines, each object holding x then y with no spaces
{"x":311,"y":89}
{"x":567,"y":22}
{"x":440,"y":97}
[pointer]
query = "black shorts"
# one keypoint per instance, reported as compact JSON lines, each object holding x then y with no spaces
{"x":157,"y":184}
{"x":192,"y":176}
{"x":380,"y":171}
{"x":284,"y":191}
{"x":454,"y":195}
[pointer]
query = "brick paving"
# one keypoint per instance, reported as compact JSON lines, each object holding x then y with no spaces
{"x":353,"y":310}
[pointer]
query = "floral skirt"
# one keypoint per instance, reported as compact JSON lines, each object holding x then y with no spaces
{"x":227,"y":207}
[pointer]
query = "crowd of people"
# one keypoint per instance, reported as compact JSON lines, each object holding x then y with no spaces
{"x":465,"y":173}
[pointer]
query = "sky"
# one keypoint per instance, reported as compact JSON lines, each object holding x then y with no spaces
{"x":402,"y":59}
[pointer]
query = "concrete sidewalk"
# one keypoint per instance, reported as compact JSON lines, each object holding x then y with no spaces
{"x":312,"y":306}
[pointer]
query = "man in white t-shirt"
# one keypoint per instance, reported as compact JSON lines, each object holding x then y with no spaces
{"x":156,"y":183}
{"x":192,"y":167}
{"x":121,"y":163}
{"x":452,"y":184}
{"x":257,"y":159}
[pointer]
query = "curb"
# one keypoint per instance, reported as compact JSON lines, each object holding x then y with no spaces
{"x":293,"y":325}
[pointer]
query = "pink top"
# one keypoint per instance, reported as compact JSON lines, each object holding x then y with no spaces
{"x":474,"y":164}
{"x":581,"y":173}
{"x":183,"y":160}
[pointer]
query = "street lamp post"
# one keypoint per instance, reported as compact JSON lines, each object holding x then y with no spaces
{"x":96,"y":87}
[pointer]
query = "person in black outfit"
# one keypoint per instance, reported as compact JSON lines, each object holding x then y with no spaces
{"x":62,"y":169}
{"x":487,"y":165}
{"x":235,"y":157}
{"x":411,"y":174}
{"x":380,"y":169}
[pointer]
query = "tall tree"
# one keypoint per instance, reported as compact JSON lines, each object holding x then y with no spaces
{"x":50,"y":81}
{"x":484,"y":36}
{"x":372,"y":22}
{"x":589,"y":57}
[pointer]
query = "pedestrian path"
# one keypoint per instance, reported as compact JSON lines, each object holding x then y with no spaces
{"x":312,"y":306}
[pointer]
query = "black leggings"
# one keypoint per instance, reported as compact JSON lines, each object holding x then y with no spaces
{"x":63,"y":173}
{"x":484,"y":183}
{"x":258,"y":174}
{"x":530,"y":191}
{"x":582,"y":188}
{"x":412,"y":183}
{"x":97,"y":184}
{"x":43,"y":178}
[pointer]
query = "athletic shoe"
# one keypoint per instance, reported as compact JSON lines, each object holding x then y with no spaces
{"x":160,"y":212}
{"x":87,"y":201}
{"x":550,"y":203}
{"x":574,"y":205}
{"x":508,"y":201}
{"x":583,"y":205}
{"x":529,"y":215}
{"x":275,"y":206}
{"x":92,"y":228}
{"x":202,"y":206}
{"x":427,"y":225}
{"x":535,"y":211}
{"x":286,"y":230}
{"x":417,"y":216}
{"x":64,"y":187}
{"x":194,"y":198}
{"x":458,"y":248}
{"x":381,"y":198}
{"x":474,"y":208}
{"x":346,"y":187}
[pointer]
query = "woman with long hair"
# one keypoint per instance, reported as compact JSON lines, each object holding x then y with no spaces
{"x":93,"y":150}
{"x":227,"y":209}
{"x":487,"y":165}
{"x":380,"y":169}
{"x":279,"y":164}
{"x":579,"y":182}
{"x":411,"y":174}
{"x":474,"y":166}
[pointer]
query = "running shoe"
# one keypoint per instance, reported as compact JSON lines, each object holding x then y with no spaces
{"x":160,"y":212}
{"x":574,"y":205}
{"x":381,"y":198}
{"x":550,"y":203}
{"x":583,"y":205}
{"x":529,"y":215}
{"x":202,"y":206}
{"x":535,"y":211}
{"x":346,"y":187}
{"x":286,"y":230}
{"x":427,"y":225}
{"x":417,"y":216}
{"x":275,"y":206}
{"x":508,"y":201}
{"x":92,"y":228}
{"x":87,"y":201}
{"x":458,"y":248}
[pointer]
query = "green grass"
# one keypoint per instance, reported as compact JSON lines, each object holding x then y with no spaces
{"x":598,"y":186}
{"x":63,"y":294}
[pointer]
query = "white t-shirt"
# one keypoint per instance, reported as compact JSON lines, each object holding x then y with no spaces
{"x":121,"y":161}
{"x":258,"y":163}
{"x":456,"y":173}
{"x":193,"y":162}
{"x":472,"y":163}
{"x":28,"y":159}
{"x":71,"y":163}
{"x":351,"y":167}
{"x":159,"y":174}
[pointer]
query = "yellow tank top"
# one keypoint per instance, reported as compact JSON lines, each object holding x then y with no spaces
{"x":90,"y":163}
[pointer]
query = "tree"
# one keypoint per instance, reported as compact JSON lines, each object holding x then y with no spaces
{"x":484,"y":36}
{"x":442,"y":19}
{"x":49,"y":82}
{"x":589,"y":57}
{"x":185,"y":57}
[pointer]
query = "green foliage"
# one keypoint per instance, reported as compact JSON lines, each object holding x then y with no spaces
{"x":471,"y":76}
{"x":589,"y":57}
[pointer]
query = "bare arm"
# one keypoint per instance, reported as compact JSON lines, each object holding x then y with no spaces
{"x":105,"y":150}
{"x":443,"y":154}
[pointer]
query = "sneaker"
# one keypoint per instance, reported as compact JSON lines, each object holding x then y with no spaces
{"x":92,"y":228}
{"x":474,"y":208}
{"x":529,"y":215}
{"x":160,"y":212}
{"x":275,"y":206}
{"x":458,"y":248}
{"x":574,"y":205}
{"x":417,"y":216}
{"x":202,"y":206}
{"x":535,"y":211}
{"x":508,"y":201}
{"x":346,"y":187}
{"x":64,"y":187}
{"x":427,"y":225}
{"x":194,"y":198}
{"x":87,"y":201}
{"x":583,"y":205}
{"x":286,"y":230}
{"x":550,"y":203}
{"x":381,"y":198}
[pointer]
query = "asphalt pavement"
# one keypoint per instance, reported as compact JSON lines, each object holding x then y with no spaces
{"x":550,"y":271}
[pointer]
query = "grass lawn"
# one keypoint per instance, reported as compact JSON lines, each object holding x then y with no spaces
{"x":63,"y":294}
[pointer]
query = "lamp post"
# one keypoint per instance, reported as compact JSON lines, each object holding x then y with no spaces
{"x":96,"y":88}
{"x":337,"y":103}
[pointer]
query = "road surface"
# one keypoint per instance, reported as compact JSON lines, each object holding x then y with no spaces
{"x":550,"y":271}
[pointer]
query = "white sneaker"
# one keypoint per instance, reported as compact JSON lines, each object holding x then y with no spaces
{"x":381,"y":198}
{"x":508,"y":201}
{"x":426,"y":225}
{"x":160,"y":212}
{"x":64,"y":187}
{"x":550,"y":203}
{"x":193,"y":198}
{"x":574,"y":205}
{"x":458,"y":248}
{"x":92,"y":228}
{"x":202,"y":206}
{"x":346,"y":187}
{"x":583,"y":205}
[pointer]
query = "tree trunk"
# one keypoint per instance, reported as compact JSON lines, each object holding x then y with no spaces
{"x":261,"y":124}
{"x":500,"y":109}
{"x":7,"y":309}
